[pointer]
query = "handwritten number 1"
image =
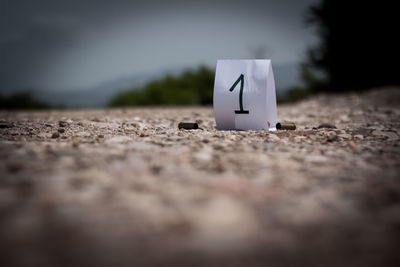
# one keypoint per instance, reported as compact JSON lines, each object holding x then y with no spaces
{"x":241,"y":80}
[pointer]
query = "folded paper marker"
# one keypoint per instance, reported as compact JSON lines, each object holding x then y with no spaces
{"x":244,"y":95}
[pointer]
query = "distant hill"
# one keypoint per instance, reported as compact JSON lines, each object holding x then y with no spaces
{"x":21,"y":101}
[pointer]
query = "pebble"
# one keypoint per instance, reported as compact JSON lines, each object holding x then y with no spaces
{"x":345,"y":136}
{"x":4,"y":125}
{"x":313,"y":137}
{"x":359,"y":137}
{"x":326,"y":125}
{"x":332,"y":138}
{"x":63,"y":123}
{"x":377,"y":133}
{"x":390,"y":135}
{"x":61,"y":130}
{"x":83,"y":134}
{"x":299,"y":138}
{"x":273,"y":138}
{"x":329,"y":133}
{"x":55,"y":135}
{"x":362,"y":131}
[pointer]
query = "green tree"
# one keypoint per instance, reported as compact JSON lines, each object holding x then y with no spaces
{"x":192,"y":87}
{"x":358,"y":46}
{"x":21,"y":101}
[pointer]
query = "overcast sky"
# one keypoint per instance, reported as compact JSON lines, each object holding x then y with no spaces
{"x":71,"y":44}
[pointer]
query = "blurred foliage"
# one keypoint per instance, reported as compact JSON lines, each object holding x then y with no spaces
{"x":192,"y":87}
{"x":293,"y":94}
{"x":21,"y":101}
{"x":356,"y":49}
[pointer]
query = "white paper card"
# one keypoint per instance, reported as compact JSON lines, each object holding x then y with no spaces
{"x":244,"y":95}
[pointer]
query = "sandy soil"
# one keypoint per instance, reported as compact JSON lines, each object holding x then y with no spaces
{"x":126,"y":187}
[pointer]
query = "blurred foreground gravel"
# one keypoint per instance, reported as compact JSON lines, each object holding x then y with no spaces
{"x":125,"y":187}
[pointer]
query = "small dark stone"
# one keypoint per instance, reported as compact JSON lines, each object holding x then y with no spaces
{"x":332,"y":138}
{"x":4,"y":125}
{"x":61,"y":130}
{"x":100,"y":136}
{"x":327,"y":125}
{"x":14,"y":167}
{"x":55,"y":135}
{"x":155,"y":169}
{"x":63,"y":123}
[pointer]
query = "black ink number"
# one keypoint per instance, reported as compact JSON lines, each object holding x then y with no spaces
{"x":241,"y":80}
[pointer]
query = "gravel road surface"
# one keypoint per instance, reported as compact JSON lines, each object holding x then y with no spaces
{"x":126,"y":187}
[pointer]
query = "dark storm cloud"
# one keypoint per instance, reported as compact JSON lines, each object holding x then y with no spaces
{"x":33,"y":31}
{"x":74,"y":43}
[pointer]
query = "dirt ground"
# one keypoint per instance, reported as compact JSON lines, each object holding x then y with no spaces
{"x":126,"y":187}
